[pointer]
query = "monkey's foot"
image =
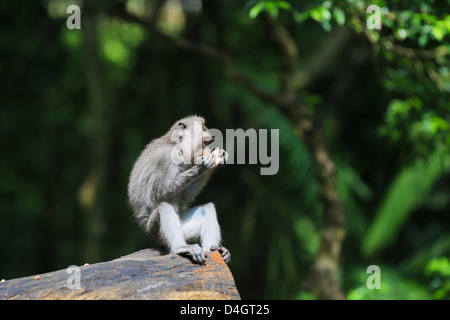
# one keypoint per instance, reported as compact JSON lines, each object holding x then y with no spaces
{"x":193,"y":251}
{"x":226,"y":255}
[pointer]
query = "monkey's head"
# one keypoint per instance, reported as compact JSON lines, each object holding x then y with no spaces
{"x":191,"y":138}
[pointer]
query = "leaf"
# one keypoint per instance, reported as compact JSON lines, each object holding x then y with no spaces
{"x":438,"y":32}
{"x":300,"y":17}
{"x":256,"y":10}
{"x":423,"y":39}
{"x":439,"y":265}
{"x":326,"y":25}
{"x":320,"y":14}
{"x":405,"y":193}
{"x":339,"y":16}
{"x":272,"y":7}
{"x":283,"y":5}
{"x":401,"y":33}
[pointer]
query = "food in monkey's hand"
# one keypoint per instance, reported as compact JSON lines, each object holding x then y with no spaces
{"x":218,"y":154}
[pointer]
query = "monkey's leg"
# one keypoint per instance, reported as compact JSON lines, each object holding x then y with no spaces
{"x":201,"y":222}
{"x":210,"y":229}
{"x":210,"y":233}
{"x":172,"y":234}
{"x":179,"y":183}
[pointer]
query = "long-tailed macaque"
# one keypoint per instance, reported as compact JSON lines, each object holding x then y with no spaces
{"x":166,"y":178}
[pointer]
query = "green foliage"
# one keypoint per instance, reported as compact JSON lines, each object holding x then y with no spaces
{"x":416,"y":262}
{"x":393,"y":287}
{"x":271,"y":6}
{"x":439,"y":266}
{"x":422,"y":27}
{"x":119,"y":40}
{"x":406,"y":192}
{"x":353,"y":192}
{"x":306,"y":296}
{"x":410,"y":122}
{"x":438,"y":269}
{"x":324,"y":14}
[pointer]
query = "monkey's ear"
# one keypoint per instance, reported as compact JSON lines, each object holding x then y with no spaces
{"x":181,"y":125}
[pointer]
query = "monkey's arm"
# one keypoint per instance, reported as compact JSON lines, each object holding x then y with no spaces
{"x":175,"y":186}
{"x":196,"y":185}
{"x":194,"y":177}
{"x":210,"y":161}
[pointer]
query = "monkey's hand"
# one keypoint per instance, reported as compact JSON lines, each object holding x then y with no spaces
{"x":193,"y":251}
{"x":226,"y":255}
{"x":216,"y":157}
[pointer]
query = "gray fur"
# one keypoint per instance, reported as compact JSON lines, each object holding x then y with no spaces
{"x":167,"y":176}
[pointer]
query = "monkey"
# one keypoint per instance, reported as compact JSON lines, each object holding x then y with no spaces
{"x":165,"y":179}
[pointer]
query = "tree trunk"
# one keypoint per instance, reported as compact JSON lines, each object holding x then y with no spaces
{"x":323,"y":279}
{"x":91,"y":194}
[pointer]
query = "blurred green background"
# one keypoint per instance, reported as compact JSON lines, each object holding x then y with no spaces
{"x":78,"y":106}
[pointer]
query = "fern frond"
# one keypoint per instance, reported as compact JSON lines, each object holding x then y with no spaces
{"x":405,"y":193}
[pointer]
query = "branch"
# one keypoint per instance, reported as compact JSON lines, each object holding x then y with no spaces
{"x":97,"y":100}
{"x":207,"y":51}
{"x":410,"y":53}
{"x":388,"y":42}
{"x":288,"y":54}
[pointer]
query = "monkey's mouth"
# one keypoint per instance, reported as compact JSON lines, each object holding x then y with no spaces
{"x":209,"y":141}
{"x":205,"y":148}
{"x":205,"y":143}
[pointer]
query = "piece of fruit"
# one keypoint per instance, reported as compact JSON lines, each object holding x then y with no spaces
{"x":218,"y":157}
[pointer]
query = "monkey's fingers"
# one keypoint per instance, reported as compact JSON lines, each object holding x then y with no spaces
{"x":209,"y":160}
{"x":225,"y":157}
{"x":194,"y":252}
{"x":199,"y":258}
{"x":226,"y":255}
{"x":221,"y":156}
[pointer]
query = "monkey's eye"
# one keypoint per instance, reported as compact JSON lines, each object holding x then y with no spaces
{"x":181,"y":125}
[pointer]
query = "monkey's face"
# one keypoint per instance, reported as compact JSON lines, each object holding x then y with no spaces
{"x":192,"y":138}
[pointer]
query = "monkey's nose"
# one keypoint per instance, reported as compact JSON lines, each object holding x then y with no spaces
{"x":211,"y":140}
